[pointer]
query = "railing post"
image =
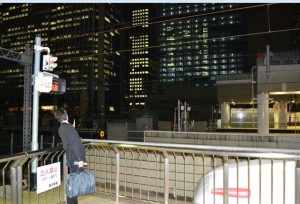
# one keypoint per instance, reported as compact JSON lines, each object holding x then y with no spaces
{"x":19,"y":185}
{"x":167,"y":183}
{"x":225,"y":178}
{"x":117,"y":172}
{"x":13,"y":184}
{"x":65,"y":172}
{"x":297,"y":182}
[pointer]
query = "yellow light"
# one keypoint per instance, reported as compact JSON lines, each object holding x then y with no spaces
{"x":284,"y":92}
{"x":126,"y":145}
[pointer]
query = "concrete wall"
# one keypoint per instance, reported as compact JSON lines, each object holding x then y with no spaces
{"x":117,"y":130}
{"x":237,"y":88}
{"x":164,"y":125}
{"x":281,"y":78}
{"x":144,"y":123}
{"x":276,"y":141}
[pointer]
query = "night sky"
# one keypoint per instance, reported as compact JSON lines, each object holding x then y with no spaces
{"x":260,"y":20}
{"x":279,"y":19}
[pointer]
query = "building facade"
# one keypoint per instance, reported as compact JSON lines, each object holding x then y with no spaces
{"x":143,"y":75}
{"x":85,"y":40}
{"x":197,"y":42}
{"x":201,"y":41}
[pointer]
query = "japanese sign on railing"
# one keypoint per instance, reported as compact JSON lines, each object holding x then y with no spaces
{"x":48,"y":177}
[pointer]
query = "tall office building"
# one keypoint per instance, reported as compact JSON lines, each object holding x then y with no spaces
{"x":84,"y":39}
{"x":19,"y":25}
{"x":200,"y":41}
{"x":143,"y":73}
{"x":295,"y":21}
{"x":196,"y":43}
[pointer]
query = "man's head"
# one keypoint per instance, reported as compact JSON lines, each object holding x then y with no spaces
{"x":61,"y":115}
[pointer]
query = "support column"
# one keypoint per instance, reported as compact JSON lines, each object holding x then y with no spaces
{"x":282,"y":115}
{"x":179,"y":116}
{"x":276,"y":115}
{"x":225,"y":115}
{"x":263,"y":113}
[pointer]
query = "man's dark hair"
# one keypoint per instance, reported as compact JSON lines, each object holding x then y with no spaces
{"x":60,"y":115}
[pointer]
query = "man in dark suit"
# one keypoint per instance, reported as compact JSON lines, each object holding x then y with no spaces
{"x":72,"y":145}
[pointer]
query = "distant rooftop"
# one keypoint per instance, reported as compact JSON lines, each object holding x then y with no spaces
{"x":233,"y":77}
{"x":278,"y":58}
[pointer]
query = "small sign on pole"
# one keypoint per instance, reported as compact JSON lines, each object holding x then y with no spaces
{"x":44,"y":82}
{"x":48,"y":177}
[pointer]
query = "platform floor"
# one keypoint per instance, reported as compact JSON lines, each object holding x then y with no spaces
{"x":106,"y":199}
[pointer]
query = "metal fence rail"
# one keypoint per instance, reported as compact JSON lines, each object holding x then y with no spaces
{"x":170,"y":173}
{"x":18,"y":181}
{"x":165,"y":173}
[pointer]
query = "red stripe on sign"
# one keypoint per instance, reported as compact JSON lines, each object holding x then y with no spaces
{"x":233,"y":192}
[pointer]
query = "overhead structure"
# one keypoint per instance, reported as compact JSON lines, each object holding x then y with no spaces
{"x":24,"y":59}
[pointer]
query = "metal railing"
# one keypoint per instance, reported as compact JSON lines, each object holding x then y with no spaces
{"x":18,"y":179}
{"x":164,"y":173}
{"x":173,"y":173}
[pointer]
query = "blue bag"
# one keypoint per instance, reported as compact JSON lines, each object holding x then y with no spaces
{"x":80,"y":183}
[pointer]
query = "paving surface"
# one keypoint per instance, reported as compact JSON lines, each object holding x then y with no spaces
{"x":106,"y":199}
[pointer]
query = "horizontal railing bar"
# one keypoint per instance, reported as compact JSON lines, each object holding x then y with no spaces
{"x":207,"y":149}
{"x":16,"y":156}
{"x":224,"y":133}
{"x":268,"y":153}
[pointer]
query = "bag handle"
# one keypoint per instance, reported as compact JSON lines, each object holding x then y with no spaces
{"x":77,"y":164}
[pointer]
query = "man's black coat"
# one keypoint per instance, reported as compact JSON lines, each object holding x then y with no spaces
{"x":71,"y":143}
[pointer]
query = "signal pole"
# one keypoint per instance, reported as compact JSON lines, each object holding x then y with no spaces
{"x":43,"y":82}
{"x":35,"y":113}
{"x":35,"y":105}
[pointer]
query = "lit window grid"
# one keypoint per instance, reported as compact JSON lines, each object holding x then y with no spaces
{"x":174,"y":9}
{"x":140,"y":17}
{"x":185,"y":29}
